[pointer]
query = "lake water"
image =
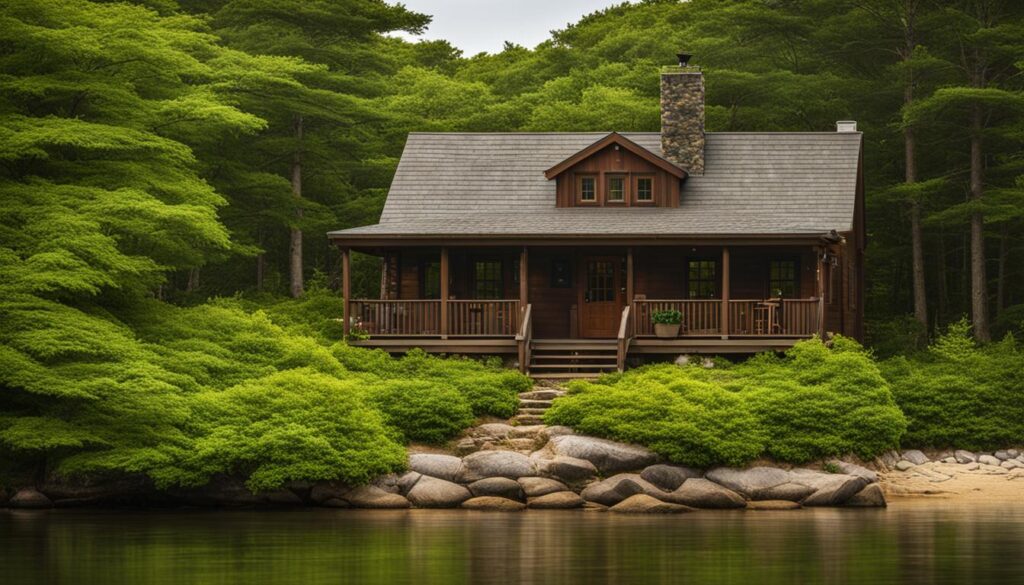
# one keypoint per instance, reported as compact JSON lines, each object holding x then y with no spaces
{"x":908,"y":543}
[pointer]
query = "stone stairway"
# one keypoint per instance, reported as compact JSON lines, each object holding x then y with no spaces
{"x":533,"y":404}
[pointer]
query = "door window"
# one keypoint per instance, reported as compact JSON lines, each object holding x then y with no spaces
{"x":600,"y":281}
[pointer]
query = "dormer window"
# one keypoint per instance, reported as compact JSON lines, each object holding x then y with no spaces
{"x":616,"y":188}
{"x":644,"y":189}
{"x":587,"y":189}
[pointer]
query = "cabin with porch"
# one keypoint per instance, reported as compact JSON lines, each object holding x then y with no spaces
{"x":558,"y":248}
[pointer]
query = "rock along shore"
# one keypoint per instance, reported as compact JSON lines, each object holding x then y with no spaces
{"x":513,"y":468}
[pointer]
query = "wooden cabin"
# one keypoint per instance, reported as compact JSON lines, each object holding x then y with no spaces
{"x":559,"y":247}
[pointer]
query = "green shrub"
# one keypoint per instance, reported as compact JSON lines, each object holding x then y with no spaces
{"x":422,"y":410}
{"x":959,"y":394}
{"x":813,"y":403}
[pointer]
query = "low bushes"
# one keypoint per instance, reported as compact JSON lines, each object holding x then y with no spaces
{"x":813,"y":403}
{"x":959,"y":394}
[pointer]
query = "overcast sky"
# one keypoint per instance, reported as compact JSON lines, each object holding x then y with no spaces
{"x":485,"y":25}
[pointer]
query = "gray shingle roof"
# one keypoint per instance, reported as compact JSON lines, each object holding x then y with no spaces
{"x":463,"y":184}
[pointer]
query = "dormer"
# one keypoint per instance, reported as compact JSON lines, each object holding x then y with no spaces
{"x":616,"y":172}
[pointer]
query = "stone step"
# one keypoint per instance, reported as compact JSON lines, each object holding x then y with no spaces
{"x":534,"y":403}
{"x":528,"y":419}
{"x":532,"y":410}
{"x":541,"y":394}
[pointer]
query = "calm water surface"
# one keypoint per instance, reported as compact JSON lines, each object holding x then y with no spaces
{"x":908,"y":543}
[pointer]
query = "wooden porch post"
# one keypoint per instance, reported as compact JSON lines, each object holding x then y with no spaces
{"x":346,"y":291}
{"x":524,"y":288}
{"x":725,"y":293}
{"x":444,"y":293}
{"x":821,"y":291}
{"x":629,"y":276}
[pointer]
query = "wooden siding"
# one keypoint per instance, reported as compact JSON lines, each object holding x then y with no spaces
{"x":610,"y":161}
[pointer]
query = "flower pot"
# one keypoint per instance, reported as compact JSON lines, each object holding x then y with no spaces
{"x":666,"y":330}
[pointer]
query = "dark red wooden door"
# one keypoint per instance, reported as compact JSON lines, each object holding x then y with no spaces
{"x":600,"y":305}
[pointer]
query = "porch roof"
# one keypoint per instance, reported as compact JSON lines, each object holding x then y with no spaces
{"x":493,"y":185}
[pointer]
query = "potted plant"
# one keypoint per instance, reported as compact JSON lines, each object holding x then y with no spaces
{"x":667,"y":323}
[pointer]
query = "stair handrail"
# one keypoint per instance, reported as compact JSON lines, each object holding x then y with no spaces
{"x":624,"y":338}
{"x":524,"y":339}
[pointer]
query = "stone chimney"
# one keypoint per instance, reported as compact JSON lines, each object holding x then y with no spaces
{"x":682,"y":116}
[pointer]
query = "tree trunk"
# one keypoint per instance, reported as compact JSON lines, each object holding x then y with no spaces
{"x":979,"y":288}
{"x":910,"y":155}
{"x":296,"y":284}
{"x":1004,"y":252}
{"x":193,"y":280}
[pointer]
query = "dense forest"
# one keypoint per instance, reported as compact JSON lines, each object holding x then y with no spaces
{"x":170,"y":168}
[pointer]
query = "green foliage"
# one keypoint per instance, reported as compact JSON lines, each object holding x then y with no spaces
{"x":667,"y":317}
{"x":814,"y":403}
{"x":959,"y":394}
{"x":422,"y":410}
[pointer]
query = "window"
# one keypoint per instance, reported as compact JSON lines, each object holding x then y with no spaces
{"x":644,"y":189}
{"x":430,"y":280}
{"x":782,"y":279}
{"x":616,"y":189}
{"x":487,"y":279}
{"x":587,"y":189}
{"x":702,"y":281}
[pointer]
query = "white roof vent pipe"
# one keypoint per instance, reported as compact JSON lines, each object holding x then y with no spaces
{"x":846,"y":126}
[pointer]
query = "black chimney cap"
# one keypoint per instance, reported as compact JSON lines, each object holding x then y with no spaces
{"x":684,"y":59}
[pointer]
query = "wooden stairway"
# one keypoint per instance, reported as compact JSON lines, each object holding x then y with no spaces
{"x":572,"y":358}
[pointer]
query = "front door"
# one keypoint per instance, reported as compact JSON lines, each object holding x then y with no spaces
{"x":599,"y":306}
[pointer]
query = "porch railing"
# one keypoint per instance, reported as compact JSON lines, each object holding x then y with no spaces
{"x":405,"y":317}
{"x":700,"y":317}
{"x":499,"y":318}
{"x":747,"y":317}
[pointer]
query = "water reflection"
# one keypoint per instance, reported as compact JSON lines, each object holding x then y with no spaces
{"x":915,"y":543}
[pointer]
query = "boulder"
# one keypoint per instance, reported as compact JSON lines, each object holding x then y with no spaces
{"x":752,"y":482}
{"x":323,"y":492}
{"x":335,"y":503}
{"x":431,"y":492}
{"x":82,"y":490}
{"x":495,"y":431}
{"x":29,"y":499}
{"x":669,"y":477}
{"x":700,"y":493}
{"x":570,"y":469}
{"x":914,"y":456}
{"x":1002,"y":455}
{"x":407,"y":481}
{"x":445,"y":467}
{"x":964,"y":456}
{"x":388,"y":483}
{"x":854,"y":469}
{"x":790,"y":491}
{"x":556,"y":431}
{"x":1013,"y":453}
{"x":644,"y":504}
{"x":508,"y":464}
{"x":869,"y":497}
{"x":556,"y":501}
{"x":904,"y":465}
{"x":617,"y":488}
{"x":773,"y":505}
{"x":371,"y":496}
{"x":988,"y":460}
{"x":607,"y":456}
{"x":541,"y":486}
{"x":1011,"y":464}
{"x":493,"y":504}
{"x":501,"y":487}
{"x":829,"y":489}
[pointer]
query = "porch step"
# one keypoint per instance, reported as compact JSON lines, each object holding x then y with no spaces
{"x":572,"y":358}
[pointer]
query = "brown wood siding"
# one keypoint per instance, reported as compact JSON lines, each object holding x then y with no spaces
{"x":610,"y":161}
{"x":551,"y":306}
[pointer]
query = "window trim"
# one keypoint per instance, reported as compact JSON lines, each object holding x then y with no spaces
{"x":608,"y":177}
{"x":636,"y":189}
{"x":579,"y":189}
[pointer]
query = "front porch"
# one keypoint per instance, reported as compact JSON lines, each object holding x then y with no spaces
{"x":734,"y":299}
